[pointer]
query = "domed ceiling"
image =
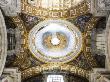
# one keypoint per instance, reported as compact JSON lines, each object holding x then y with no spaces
{"x":53,"y":35}
{"x":55,"y":41}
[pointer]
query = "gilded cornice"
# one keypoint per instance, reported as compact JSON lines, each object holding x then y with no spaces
{"x":49,"y":67}
{"x":73,"y":12}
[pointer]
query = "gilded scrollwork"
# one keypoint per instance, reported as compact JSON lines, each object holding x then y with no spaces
{"x":22,"y":57}
{"x":46,"y":67}
{"x":82,"y":8}
{"x":87,"y":49}
{"x":20,"y":25}
{"x":58,"y":4}
{"x":22,"y":60}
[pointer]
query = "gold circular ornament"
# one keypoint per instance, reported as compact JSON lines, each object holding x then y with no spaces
{"x":55,"y":41}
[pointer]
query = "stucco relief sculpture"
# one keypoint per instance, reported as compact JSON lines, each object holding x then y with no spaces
{"x":11,"y":7}
{"x":100,"y":7}
{"x":13,"y":74}
{"x":103,"y":4}
{"x":10,"y":75}
{"x":3,"y":3}
{"x":52,"y":36}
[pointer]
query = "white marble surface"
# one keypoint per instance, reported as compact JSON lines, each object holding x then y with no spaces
{"x":108,"y":44}
{"x":3,"y":43}
{"x":99,"y":75}
{"x":100,"y":7}
{"x":13,"y":74}
{"x":11,"y":7}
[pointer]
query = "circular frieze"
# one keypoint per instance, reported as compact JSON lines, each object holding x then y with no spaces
{"x":55,"y":41}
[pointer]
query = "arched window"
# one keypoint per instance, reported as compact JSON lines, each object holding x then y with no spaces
{"x":55,"y":78}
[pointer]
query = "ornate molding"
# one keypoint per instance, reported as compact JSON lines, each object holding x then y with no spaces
{"x":23,"y":32}
{"x":87,"y":49}
{"x":3,"y":43}
{"x":22,"y":59}
{"x":54,"y":5}
{"x":81,"y":8}
{"x":49,"y":67}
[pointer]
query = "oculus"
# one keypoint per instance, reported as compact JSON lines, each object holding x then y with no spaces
{"x":54,"y":41}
